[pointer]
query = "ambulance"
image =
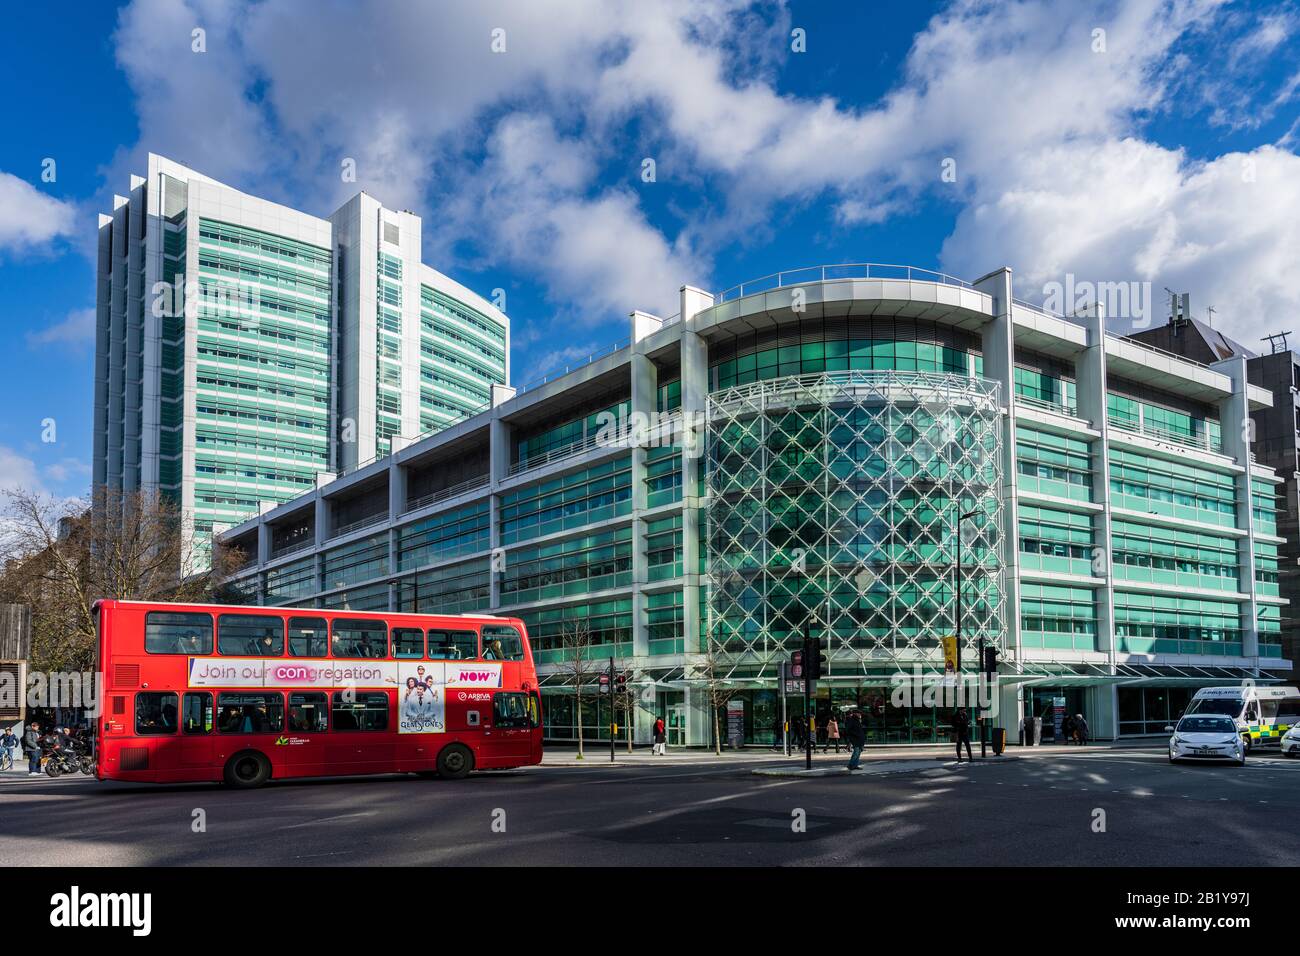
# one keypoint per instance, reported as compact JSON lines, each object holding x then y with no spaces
{"x":1263,"y":714}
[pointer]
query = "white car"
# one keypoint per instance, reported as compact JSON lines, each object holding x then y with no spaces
{"x":1291,"y":742}
{"x":1207,"y":737}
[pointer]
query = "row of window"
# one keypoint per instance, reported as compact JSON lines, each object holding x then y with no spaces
{"x":264,"y":635}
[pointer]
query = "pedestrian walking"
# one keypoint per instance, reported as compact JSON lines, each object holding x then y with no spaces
{"x":32,"y":745}
{"x":832,"y":734}
{"x":1080,"y":729}
{"x":660,"y":738}
{"x":961,"y":731}
{"x":1067,"y":729}
{"x":856,"y":735}
{"x":778,"y":733}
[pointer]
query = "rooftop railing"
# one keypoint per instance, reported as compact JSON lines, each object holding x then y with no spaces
{"x":571,"y":450}
{"x":378,"y":517}
{"x":451,"y":491}
{"x":1078,"y":320}
{"x":574,"y":366}
{"x":293,"y":547}
{"x":1204,"y":441}
{"x":848,"y":270}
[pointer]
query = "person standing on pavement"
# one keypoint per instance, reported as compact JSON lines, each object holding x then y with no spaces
{"x":832,"y":734}
{"x":32,"y":744}
{"x":778,"y":734}
{"x":1067,"y":729}
{"x":856,"y":735}
{"x":660,"y":738}
{"x":961,"y":731}
{"x":1081,"y":728}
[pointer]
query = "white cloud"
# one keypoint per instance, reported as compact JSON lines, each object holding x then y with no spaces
{"x":18,"y":472}
{"x":510,"y":153}
{"x":77,"y":331}
{"x":68,"y":469}
{"x":31,"y":220}
{"x":596,"y":250}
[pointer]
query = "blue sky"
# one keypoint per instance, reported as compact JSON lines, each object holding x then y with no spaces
{"x":1151,"y":141}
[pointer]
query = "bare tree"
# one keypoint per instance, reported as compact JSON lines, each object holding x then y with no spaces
{"x":713,"y":673}
{"x":577,"y":666}
{"x":62,"y":556}
{"x":628,"y":701}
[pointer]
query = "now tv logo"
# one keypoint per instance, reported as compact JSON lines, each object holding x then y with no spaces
{"x":474,"y":677}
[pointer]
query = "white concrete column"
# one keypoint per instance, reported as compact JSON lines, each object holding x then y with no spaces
{"x":1090,"y":386}
{"x":695,"y":401}
{"x":999,"y":350}
{"x":644,"y":402}
{"x":499,"y":439}
{"x":1235,"y":425}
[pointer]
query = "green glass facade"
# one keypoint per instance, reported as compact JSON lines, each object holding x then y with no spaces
{"x":1105,"y":534}
{"x":262,"y":375}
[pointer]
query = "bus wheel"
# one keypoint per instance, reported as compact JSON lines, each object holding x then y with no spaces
{"x":247,"y":769}
{"x":455,"y":761}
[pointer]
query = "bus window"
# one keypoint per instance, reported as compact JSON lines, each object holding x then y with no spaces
{"x":169,"y":632}
{"x":307,"y":713}
{"x":501,"y":642}
{"x":155,"y":713}
{"x":364,"y":712}
{"x":197,"y":717}
{"x":356,"y":638}
{"x":510,"y":710}
{"x":250,"y":713}
{"x":408,"y":642}
{"x":250,"y":635}
{"x":453,"y":645}
{"x":307,"y":637}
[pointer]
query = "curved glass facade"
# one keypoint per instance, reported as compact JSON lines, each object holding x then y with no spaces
{"x":833,"y":504}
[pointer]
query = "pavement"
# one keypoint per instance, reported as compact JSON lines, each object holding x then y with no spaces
{"x":1096,"y":806}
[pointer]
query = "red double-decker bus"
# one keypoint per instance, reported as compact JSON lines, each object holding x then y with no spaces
{"x":201,"y":692}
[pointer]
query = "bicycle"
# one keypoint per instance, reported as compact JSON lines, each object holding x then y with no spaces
{"x":6,"y":759}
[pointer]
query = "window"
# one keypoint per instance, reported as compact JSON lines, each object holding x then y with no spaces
{"x":197,"y":715}
{"x":364,"y":712}
{"x":250,"y":635}
{"x":408,"y":642}
{"x":453,"y":645}
{"x":501,"y":642}
{"x":511,"y":710}
{"x":250,"y":713}
{"x":356,"y":638}
{"x":155,"y":713}
{"x":307,"y":637}
{"x":307,"y":713}
{"x":167,"y":632}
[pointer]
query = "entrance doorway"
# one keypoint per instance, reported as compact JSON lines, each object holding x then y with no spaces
{"x":1045,"y":702}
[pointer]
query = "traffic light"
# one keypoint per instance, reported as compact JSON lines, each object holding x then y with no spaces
{"x":620,"y":683}
{"x":814,"y":659}
{"x":796,"y":664}
{"x":990,"y":659}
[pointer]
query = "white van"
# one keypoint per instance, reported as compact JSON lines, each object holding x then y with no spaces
{"x":1263,"y":714}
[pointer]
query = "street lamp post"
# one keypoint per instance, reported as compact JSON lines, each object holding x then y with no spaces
{"x":980,"y":663}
